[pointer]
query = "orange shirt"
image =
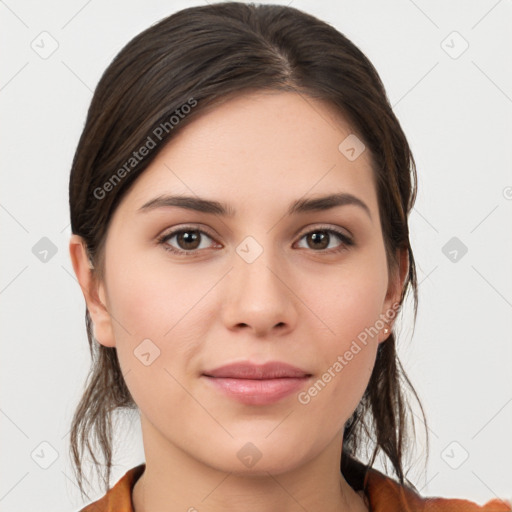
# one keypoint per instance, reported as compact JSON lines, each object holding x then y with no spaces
{"x":384,"y":495}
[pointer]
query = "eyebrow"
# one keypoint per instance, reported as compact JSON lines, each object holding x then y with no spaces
{"x":218,"y":208}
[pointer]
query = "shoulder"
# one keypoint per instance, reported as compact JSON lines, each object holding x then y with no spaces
{"x":386,"y":495}
{"x":118,"y":497}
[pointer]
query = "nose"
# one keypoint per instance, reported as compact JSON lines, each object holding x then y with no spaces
{"x":259,"y":297}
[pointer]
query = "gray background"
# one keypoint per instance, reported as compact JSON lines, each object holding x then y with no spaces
{"x":455,"y":106}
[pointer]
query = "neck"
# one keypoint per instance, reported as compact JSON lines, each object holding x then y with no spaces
{"x":174,"y":481}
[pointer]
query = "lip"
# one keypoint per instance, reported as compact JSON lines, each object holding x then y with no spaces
{"x":247,"y":370}
{"x":253,"y":384}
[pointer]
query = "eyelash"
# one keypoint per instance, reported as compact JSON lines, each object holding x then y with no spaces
{"x":346,"y":240}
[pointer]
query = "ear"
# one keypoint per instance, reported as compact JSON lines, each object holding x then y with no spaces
{"x":93,"y":290}
{"x":394,"y":292}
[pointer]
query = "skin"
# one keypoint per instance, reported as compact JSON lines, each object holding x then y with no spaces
{"x":295,"y":303}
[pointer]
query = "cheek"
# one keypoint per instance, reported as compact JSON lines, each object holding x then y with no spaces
{"x":159,"y":317}
{"x":351,"y":319}
{"x":156,"y":300}
{"x":346,"y":365}
{"x":352,"y":369}
{"x":337,"y":389}
{"x":350,"y":302}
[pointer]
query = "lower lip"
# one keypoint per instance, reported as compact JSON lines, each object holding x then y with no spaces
{"x":258,"y":392}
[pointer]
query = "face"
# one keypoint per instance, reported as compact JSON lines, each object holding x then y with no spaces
{"x":188,"y":291}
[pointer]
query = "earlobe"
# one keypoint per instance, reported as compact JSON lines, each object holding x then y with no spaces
{"x":385,"y":333}
{"x":93,"y":291}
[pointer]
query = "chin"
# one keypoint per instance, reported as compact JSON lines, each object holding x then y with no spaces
{"x":259,"y":459}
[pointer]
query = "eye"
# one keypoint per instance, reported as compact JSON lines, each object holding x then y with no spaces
{"x":320,"y":240}
{"x":188,"y":240}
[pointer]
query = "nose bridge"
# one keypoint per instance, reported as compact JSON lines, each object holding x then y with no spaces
{"x":257,"y":295}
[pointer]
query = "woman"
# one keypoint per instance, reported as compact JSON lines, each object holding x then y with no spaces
{"x":239,"y":200}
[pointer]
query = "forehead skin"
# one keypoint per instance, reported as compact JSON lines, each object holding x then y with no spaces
{"x":259,"y":152}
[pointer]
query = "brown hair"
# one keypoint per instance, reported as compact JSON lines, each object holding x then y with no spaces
{"x":202,"y":56}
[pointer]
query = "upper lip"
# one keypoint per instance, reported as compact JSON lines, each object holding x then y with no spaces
{"x":247,"y":370}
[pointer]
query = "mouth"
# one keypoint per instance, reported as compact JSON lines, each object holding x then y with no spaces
{"x":247,"y":370}
{"x":253,"y":384}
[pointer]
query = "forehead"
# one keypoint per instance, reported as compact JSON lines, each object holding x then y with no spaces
{"x":260,"y":148}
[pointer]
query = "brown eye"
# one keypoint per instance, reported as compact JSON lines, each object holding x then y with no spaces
{"x":318,"y":239}
{"x":322,"y":239}
{"x":187,"y":241}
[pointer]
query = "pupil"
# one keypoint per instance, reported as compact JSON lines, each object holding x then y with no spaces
{"x":321,"y":237}
{"x":187,"y":238}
